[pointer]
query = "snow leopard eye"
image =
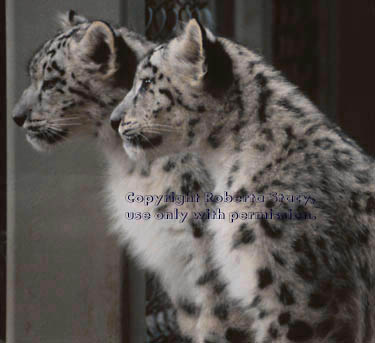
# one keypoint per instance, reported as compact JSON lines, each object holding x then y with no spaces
{"x":145,"y":84}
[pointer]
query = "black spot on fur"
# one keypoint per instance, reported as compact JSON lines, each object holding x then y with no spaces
{"x":286,"y":295}
{"x":168,"y":94}
{"x":265,"y":278}
{"x":240,"y":124}
{"x":256,"y":301}
{"x":87,"y":96}
{"x":161,"y":209}
{"x":261,"y":188}
{"x":323,"y":143}
{"x":299,"y":331}
{"x":194,"y":121}
{"x":245,"y":235}
{"x":186,"y":158}
{"x":290,"y":136}
{"x":52,"y":53}
{"x":342,"y":159}
{"x":278,"y":258}
{"x":191,"y":134}
{"x":135,"y":99}
{"x":197,"y":227}
{"x":263,"y":314}
{"x":270,"y":203}
{"x":169,"y":165}
{"x":189,"y":184}
{"x":264,"y":95}
{"x":284,"y":102}
{"x":278,"y":183}
{"x":318,"y":300}
{"x":268,"y":133}
{"x":213,"y":138}
{"x":207,"y":277}
{"x":219,"y":287}
{"x":201,"y":109}
{"x":234,"y":335}
{"x":273,"y":331}
{"x":284,"y":318}
{"x":307,"y":265}
{"x":56,"y":67}
{"x":260,"y":147}
{"x":230,"y":181}
{"x":241,"y":193}
{"x":221,"y":311}
{"x":270,"y":230}
{"x":188,"y":307}
{"x":312,"y":129}
{"x":235,"y":167}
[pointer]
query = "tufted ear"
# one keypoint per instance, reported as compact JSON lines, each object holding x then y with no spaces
{"x":70,"y":19}
{"x":98,"y":45}
{"x":202,"y":58}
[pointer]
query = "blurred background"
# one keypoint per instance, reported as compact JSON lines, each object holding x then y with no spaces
{"x":67,"y":279}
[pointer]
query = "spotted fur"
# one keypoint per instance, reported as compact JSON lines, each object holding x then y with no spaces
{"x":298,"y":279}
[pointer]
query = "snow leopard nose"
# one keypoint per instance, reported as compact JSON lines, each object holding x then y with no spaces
{"x":20,"y":116}
{"x":116,"y":117}
{"x":115,"y":123}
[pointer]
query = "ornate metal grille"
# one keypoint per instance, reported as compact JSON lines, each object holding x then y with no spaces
{"x":163,"y":17}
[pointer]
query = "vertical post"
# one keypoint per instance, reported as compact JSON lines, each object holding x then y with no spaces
{"x":10,"y":158}
{"x":133,"y":292}
{"x":3,"y":193}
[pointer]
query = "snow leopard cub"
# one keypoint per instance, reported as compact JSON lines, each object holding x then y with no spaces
{"x":296,"y":250}
{"x":77,"y":78}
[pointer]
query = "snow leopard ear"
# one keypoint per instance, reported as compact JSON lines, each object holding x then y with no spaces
{"x":188,"y":51}
{"x":98,"y":46}
{"x":71,"y":19}
{"x":200,"y":56}
{"x":103,"y":50}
